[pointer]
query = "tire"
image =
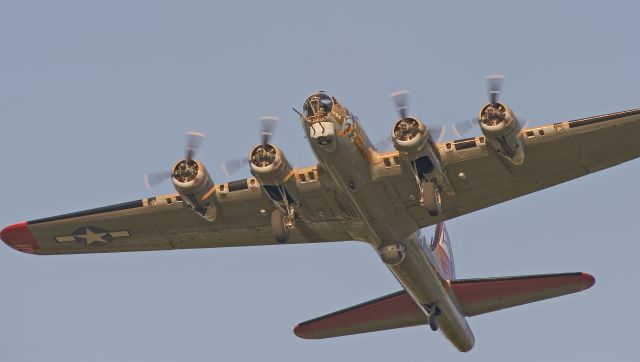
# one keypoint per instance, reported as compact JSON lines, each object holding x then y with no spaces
{"x":431,"y":197}
{"x":280,"y":232}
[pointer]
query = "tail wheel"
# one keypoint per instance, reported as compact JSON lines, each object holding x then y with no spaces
{"x":431,"y":198}
{"x":433,"y":321}
{"x":281,"y":225}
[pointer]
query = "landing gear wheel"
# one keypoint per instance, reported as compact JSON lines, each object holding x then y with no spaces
{"x":433,"y":321}
{"x":281,"y":225}
{"x":431,"y":198}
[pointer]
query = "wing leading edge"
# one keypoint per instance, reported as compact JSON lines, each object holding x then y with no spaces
{"x":475,"y":296}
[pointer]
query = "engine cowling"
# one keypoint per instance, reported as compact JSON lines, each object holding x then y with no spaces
{"x":411,"y":139}
{"x":192,"y":181}
{"x":274,"y":172}
{"x":502,"y":130}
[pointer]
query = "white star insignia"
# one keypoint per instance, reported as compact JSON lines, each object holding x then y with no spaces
{"x":92,"y":237}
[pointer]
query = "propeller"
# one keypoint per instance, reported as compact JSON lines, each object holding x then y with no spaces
{"x":194,"y":141}
{"x":400,"y":101}
{"x":384,"y":144}
{"x":232,"y":166}
{"x":267,"y":127}
{"x":268,"y":124}
{"x":437,"y":132}
{"x":461,"y":128}
{"x":151,"y":179}
{"x":494,"y":87}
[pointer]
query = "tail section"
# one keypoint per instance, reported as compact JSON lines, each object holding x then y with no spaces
{"x":475,"y":296}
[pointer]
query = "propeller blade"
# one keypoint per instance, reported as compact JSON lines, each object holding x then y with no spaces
{"x":154,"y":178}
{"x":194,"y":140}
{"x":525,"y":124}
{"x":460,"y":128}
{"x":494,"y":86}
{"x":384,"y":144}
{"x":400,"y":100}
{"x":437,"y":132}
{"x":269,"y":124}
{"x":230,"y":167}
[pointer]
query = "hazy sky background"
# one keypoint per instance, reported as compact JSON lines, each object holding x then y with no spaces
{"x":95,"y":93}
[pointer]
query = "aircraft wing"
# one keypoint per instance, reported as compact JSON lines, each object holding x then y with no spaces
{"x":475,"y":297}
{"x":164,"y":222}
{"x":554,"y":153}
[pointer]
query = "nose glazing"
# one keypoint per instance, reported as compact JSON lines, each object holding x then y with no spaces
{"x":317,"y":105}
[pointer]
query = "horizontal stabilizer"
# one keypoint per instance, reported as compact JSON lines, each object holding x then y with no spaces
{"x":479,"y":296}
{"x":475,"y":296}
{"x":394,"y":310}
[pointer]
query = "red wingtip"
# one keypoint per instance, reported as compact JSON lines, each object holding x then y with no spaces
{"x":20,"y":238}
{"x":302,"y":332}
{"x":588,"y":281}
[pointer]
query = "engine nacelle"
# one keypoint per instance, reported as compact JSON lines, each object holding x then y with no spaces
{"x":193,"y":183}
{"x":502,"y":130}
{"x":411,"y":139}
{"x":274,"y":172}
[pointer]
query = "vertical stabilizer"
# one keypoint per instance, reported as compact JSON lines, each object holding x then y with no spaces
{"x":442,"y":250}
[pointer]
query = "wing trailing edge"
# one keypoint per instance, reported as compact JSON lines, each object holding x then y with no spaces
{"x":475,"y":296}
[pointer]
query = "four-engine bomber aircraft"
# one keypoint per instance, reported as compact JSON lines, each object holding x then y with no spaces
{"x":356,"y":192}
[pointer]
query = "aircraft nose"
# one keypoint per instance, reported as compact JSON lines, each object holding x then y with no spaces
{"x":20,"y":238}
{"x":317,"y":105}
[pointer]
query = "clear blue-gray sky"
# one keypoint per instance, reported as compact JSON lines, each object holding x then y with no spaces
{"x":95,"y":93}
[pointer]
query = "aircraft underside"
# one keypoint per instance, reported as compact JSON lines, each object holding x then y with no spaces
{"x":357,"y":192}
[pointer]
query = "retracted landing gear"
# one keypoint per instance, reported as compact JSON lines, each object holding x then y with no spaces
{"x":433,"y":312}
{"x":282,"y":223}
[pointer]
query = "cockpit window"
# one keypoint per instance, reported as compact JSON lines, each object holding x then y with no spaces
{"x":317,"y":105}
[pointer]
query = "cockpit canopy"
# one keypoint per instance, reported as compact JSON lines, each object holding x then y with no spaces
{"x":317,"y":105}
